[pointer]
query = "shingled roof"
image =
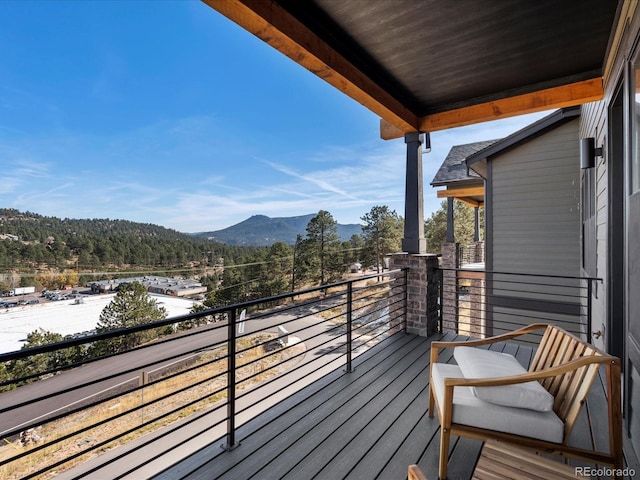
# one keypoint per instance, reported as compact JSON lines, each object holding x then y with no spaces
{"x":454,"y":169}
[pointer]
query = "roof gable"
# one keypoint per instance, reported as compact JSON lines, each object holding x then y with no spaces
{"x":477,"y":161}
{"x":454,"y":168}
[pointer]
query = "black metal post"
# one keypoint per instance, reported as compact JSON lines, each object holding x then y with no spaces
{"x":476,"y":226}
{"x":450,"y":237}
{"x":231,"y":381}
{"x":589,"y":291}
{"x":406,"y":297}
{"x":349,"y":326}
{"x":441,"y":309}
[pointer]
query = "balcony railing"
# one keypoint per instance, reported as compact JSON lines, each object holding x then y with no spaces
{"x":483,"y":303}
{"x":209,"y":371}
{"x":470,"y":254}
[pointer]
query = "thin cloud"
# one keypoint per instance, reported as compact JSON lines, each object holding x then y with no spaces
{"x":323,"y":184}
{"x":28,"y":168}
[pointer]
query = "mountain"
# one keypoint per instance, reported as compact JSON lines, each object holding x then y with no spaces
{"x":260,"y":230}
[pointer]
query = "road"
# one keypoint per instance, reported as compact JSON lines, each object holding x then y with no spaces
{"x":15,"y":418}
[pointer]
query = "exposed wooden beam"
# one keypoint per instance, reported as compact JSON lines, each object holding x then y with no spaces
{"x":470,"y":202}
{"x":461,"y":192}
{"x":550,"y":98}
{"x":389,"y":131}
{"x":270,"y":22}
{"x":547,"y":99}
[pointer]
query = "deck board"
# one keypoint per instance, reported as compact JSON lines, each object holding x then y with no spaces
{"x":347,"y":444}
{"x":337,"y":431}
{"x":261,"y":446}
{"x":371,"y":423}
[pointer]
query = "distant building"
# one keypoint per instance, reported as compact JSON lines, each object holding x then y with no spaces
{"x":8,"y":236}
{"x":162,"y":285}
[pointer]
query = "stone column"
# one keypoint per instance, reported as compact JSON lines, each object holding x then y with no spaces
{"x":477,"y":292}
{"x":479,"y":248}
{"x":422,"y":290}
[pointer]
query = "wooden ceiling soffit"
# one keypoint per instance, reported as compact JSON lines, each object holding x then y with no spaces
{"x":547,"y":99}
{"x":272,"y":24}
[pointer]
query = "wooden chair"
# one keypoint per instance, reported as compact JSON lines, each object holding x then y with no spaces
{"x":564,"y":365}
{"x":501,"y":460}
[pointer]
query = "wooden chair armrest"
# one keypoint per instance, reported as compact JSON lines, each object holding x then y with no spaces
{"x":526,"y":377}
{"x":436,"y":346}
{"x":415,"y":473}
{"x":498,"y":338}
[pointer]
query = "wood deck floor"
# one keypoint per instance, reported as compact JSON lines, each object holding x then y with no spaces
{"x":368,"y":424}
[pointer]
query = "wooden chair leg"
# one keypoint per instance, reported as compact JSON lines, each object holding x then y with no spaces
{"x":444,"y":453}
{"x":615,"y":414}
{"x":431,"y":400}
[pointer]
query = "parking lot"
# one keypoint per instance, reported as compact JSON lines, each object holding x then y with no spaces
{"x":75,"y":313}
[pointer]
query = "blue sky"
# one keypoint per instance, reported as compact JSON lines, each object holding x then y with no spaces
{"x":165,"y":112}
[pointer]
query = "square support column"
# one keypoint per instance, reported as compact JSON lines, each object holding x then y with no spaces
{"x":476,"y":224}
{"x":422,"y":291}
{"x":451,"y":237}
{"x":414,"y":241}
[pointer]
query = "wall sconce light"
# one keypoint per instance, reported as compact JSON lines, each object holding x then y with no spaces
{"x":589,"y":152}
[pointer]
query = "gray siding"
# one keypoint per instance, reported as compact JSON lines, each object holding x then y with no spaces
{"x":535,"y":201}
{"x":597,"y":122}
{"x":593,"y":124}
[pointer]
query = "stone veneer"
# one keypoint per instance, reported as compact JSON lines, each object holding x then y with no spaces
{"x":422,"y":290}
{"x":450,"y":259}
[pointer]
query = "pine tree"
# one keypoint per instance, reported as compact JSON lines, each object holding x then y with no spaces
{"x":323,"y":246}
{"x":131,"y":306}
{"x":463,"y":224}
{"x":382,"y":231}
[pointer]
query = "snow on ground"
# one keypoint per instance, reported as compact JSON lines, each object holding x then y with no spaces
{"x":66,"y":317}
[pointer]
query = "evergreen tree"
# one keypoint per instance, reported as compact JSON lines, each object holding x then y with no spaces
{"x":131,"y":306}
{"x":195,"y":322}
{"x":352,"y":250}
{"x":382,"y":231}
{"x":323,"y":248}
{"x":276,"y":276}
{"x":463,"y":225}
{"x":301,"y":271}
{"x":37,"y":365}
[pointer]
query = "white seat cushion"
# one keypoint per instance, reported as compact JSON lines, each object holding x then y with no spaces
{"x":480,"y":363}
{"x":470,"y":410}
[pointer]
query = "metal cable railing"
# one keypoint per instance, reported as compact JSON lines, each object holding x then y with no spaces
{"x":483,"y":303}
{"x":212,"y":377}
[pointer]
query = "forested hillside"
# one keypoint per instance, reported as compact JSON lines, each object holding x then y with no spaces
{"x":45,"y":251}
{"x":30,"y":242}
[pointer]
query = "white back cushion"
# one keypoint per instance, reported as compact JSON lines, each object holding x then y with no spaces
{"x":480,"y":363}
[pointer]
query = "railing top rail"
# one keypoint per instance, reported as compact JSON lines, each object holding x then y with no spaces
{"x":568,"y":277}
